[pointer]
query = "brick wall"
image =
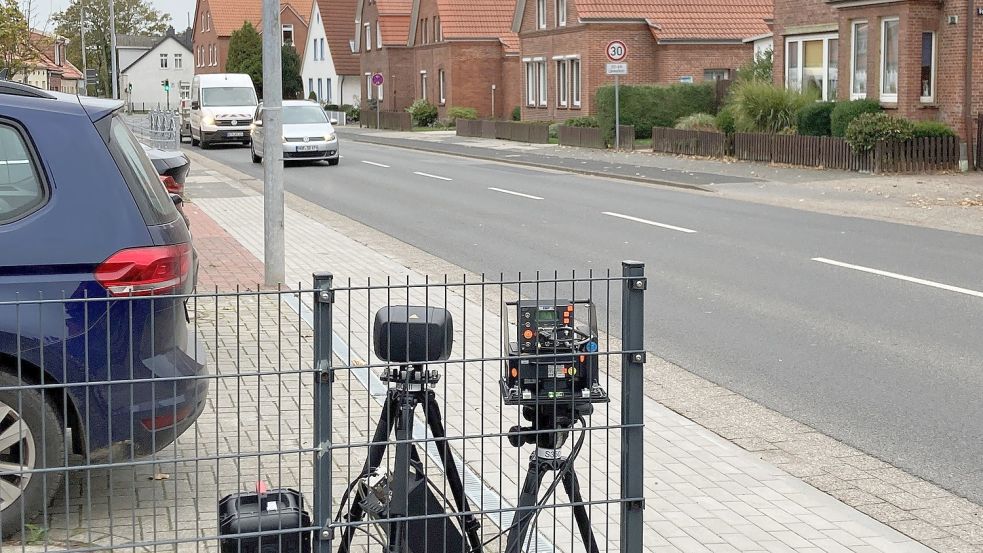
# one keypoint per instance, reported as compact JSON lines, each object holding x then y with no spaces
{"x":510,"y":91}
{"x":476,"y":66}
{"x":673,"y":61}
{"x":396,"y":65}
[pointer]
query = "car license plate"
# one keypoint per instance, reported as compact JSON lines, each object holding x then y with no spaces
{"x":236,"y":134}
{"x":306,"y":148}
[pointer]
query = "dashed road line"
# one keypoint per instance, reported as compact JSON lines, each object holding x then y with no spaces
{"x":514,"y":193}
{"x":430,"y":176}
{"x":375,"y":164}
{"x":647,"y":222}
{"x":897,"y":276}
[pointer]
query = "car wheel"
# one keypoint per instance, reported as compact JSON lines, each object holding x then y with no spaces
{"x":204,"y":145}
{"x":252,"y":152}
{"x":334,"y":161}
{"x":32,"y":437}
{"x":194,"y":142}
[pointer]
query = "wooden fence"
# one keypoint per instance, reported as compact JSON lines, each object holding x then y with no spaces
{"x":692,"y":143}
{"x":627,"y":137}
{"x":809,"y":151}
{"x":582,"y":137}
{"x":388,"y":120}
{"x":917,"y":155}
{"x":505,"y":130}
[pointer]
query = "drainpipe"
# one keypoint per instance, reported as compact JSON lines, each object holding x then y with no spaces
{"x":968,"y":86}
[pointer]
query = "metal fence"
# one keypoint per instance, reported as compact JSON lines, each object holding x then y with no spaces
{"x":187,"y":423}
{"x":158,"y":129}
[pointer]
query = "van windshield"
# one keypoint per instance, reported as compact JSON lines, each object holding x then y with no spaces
{"x":228,"y":96}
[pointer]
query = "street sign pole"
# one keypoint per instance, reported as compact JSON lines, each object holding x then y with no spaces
{"x":112,"y":48}
{"x":274,"y":269}
{"x":617,"y":113}
{"x":85,"y":65}
{"x":617,"y":52}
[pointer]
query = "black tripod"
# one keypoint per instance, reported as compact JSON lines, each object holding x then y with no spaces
{"x":409,"y":387}
{"x":551,"y":432}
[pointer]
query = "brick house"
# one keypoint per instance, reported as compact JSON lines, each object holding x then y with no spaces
{"x":563,"y":45}
{"x":911,"y":55}
{"x":50,"y":69}
{"x":465,"y":55}
{"x":216,"y":20}
{"x":382,"y":28}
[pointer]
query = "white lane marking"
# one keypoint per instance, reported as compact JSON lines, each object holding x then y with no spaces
{"x":431,"y":176}
{"x":504,"y":191}
{"x":375,"y":164}
{"x":905,"y":278}
{"x":647,"y":222}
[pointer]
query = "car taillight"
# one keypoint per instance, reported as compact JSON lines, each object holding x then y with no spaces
{"x":145,"y":271}
{"x":171,"y":185}
{"x":169,"y":418}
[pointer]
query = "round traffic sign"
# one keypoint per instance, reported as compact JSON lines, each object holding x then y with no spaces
{"x":377,"y":79}
{"x":617,"y":51}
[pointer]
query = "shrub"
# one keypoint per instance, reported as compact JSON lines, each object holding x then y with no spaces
{"x":845,"y":112}
{"x":758,"y":69}
{"x":352,"y":113}
{"x":453,"y":114}
{"x":517,"y":113}
{"x":868,"y":129}
{"x":697,"y":122}
{"x":763,"y":107}
{"x":585,"y":122}
{"x":424,"y":113}
{"x":653,"y":106}
{"x":333,"y":107}
{"x":814,"y":119}
{"x":312,"y":96}
{"x":932,"y":129}
{"x":725,"y":120}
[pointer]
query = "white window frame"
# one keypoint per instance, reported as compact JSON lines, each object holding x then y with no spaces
{"x":800,"y":40}
{"x":561,"y":13}
{"x":531,"y":88}
{"x":888,"y":97}
{"x":378,"y":35}
{"x":368,"y":36}
{"x":327,"y":90}
{"x":320,"y":88}
{"x":853,"y":60}
{"x":423,"y":85}
{"x":575,"y":91}
{"x":540,"y":14}
{"x":562,"y":84}
{"x":163,"y":61}
{"x":178,"y":61}
{"x":934,"y":68}
{"x":283,"y":32}
{"x":324,"y":54}
{"x":442,"y":86}
{"x":368,"y":86}
{"x":543,"y":84}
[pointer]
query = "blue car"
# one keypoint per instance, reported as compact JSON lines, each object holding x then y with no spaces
{"x":98,"y":360}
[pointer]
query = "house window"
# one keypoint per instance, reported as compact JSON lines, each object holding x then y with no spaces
{"x":178,"y":61}
{"x":208,"y":21}
{"x":315,"y":50}
{"x":575,"y":77}
{"x":928,"y":67}
{"x":562,"y":84}
{"x":323,"y":54}
{"x":440,"y":31}
{"x":368,"y":37}
{"x":543,"y":94}
{"x":288,"y":34}
{"x":423,"y":27}
{"x":320,"y":89}
{"x":434,"y":34}
{"x":442,"y":86}
{"x":531,"y":84}
{"x":310,"y":85}
{"x":858,"y":61}
{"x":327,"y":90}
{"x":423,"y":85}
{"x":716,"y":74}
{"x":379,"y":93}
{"x":811,"y":64}
{"x":163,"y":61}
{"x":378,"y":35}
{"x":541,"y":14}
{"x":368,"y":86}
{"x":561,"y":13}
{"x":889,"y":59}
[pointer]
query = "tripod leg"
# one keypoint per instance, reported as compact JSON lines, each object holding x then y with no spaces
{"x":376,"y":451}
{"x":399,"y":505}
{"x":527,"y":499}
{"x":572,"y":486}
{"x":469,"y":523}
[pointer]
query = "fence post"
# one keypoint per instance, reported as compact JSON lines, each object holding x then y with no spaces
{"x":632,"y":398}
{"x":323,"y":377}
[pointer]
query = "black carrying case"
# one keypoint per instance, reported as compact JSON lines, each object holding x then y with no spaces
{"x":277,"y":514}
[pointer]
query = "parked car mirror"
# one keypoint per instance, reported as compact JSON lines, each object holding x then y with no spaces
{"x":177,"y":199}
{"x":195,"y":105}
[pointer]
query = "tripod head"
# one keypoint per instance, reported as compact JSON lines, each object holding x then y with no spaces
{"x":551,"y":424}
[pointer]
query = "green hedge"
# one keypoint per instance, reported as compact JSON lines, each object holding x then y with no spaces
{"x":587,"y":122}
{"x":814,"y":119}
{"x":646,"y":106}
{"x":845,"y":112}
{"x":867,"y":129}
{"x":932,"y":129}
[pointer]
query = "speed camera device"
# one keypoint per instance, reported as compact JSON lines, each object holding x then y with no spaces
{"x":413,"y":334}
{"x":552,"y":353}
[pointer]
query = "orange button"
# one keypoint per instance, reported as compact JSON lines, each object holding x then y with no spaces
{"x":566,"y":321}
{"x":515,"y":372}
{"x":527,"y":334}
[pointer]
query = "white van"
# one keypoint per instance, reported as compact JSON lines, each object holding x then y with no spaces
{"x":222,"y":107}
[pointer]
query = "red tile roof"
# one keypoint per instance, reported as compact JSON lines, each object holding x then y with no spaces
{"x":687,"y":19}
{"x":461,"y":19}
{"x":395,"y":29}
{"x":230,"y":15}
{"x":338,"y":17}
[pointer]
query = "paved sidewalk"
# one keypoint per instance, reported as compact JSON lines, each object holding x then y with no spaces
{"x":944,"y":201}
{"x":704,"y":493}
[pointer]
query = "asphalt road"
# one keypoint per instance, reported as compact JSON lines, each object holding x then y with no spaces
{"x":868,"y":331}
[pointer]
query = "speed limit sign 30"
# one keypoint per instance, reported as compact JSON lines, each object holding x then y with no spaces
{"x":617,"y":51}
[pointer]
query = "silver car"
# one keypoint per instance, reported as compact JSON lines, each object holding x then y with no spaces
{"x":308,"y":134}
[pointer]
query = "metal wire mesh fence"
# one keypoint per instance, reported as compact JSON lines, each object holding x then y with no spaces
{"x":158,"y":129}
{"x":211,"y":422}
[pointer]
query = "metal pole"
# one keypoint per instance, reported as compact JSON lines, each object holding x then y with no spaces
{"x":85,"y":65}
{"x":112,"y":47}
{"x":617,"y":114}
{"x":323,"y":300}
{"x":273,"y":247}
{"x":632,"y":400}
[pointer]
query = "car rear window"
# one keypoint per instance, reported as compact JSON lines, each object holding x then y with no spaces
{"x":139,"y":173}
{"x":21,"y":190}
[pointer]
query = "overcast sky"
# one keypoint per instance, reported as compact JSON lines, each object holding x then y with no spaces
{"x":178,"y":9}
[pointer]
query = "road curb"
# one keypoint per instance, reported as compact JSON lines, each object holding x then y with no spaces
{"x":587,"y":172}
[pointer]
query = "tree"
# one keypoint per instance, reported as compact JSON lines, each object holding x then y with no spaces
{"x":17,"y":54}
{"x":293,"y":85}
{"x":133,"y":17}
{"x":758,"y":69}
{"x":246,"y":54}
